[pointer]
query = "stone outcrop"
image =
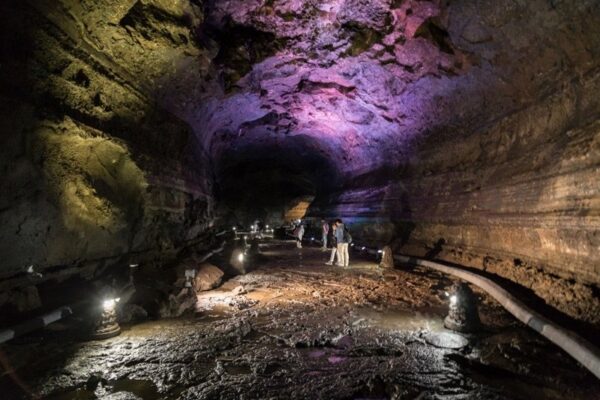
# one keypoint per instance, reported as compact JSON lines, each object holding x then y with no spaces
{"x":94,"y":167}
{"x":208,"y":277}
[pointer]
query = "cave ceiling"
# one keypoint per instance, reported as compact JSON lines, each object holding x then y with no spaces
{"x":361,"y":83}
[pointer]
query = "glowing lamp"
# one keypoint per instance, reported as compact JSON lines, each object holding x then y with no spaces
{"x":110,"y":304}
{"x":106,"y":325}
{"x":462,"y":310}
{"x":241,"y":257}
{"x":453,"y":300}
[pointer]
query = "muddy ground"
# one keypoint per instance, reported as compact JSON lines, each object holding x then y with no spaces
{"x":297,"y":329}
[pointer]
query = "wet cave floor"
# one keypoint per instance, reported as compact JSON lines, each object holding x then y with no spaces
{"x":298,"y":329}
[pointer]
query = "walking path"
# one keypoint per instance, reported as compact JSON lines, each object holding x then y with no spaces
{"x":294,"y":328}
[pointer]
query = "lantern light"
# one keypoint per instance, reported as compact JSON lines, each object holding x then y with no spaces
{"x":109,"y":304}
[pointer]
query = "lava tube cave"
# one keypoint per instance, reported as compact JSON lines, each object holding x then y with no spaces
{"x":300,"y":199}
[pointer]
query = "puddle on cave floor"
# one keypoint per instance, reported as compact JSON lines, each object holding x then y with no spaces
{"x":430,"y":320}
{"x":122,"y":389}
{"x":307,"y":332}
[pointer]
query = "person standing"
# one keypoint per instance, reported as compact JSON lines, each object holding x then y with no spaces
{"x":334,"y":252}
{"x":299,"y":235}
{"x":324,"y":233}
{"x":343,"y":239}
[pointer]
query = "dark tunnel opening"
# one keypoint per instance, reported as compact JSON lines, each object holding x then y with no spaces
{"x":264,"y":181}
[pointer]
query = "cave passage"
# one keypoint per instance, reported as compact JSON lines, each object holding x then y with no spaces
{"x":169,"y":171}
{"x":358,"y":333}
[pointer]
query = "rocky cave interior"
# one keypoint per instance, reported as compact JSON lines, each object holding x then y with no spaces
{"x":136,"y":132}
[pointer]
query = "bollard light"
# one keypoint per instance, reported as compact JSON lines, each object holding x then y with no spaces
{"x":110,"y":304}
{"x":387,"y":257}
{"x":453,"y":300}
{"x":462,"y":311}
{"x":107,"y":326}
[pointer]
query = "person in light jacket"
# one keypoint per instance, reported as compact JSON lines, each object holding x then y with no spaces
{"x":299,"y":234}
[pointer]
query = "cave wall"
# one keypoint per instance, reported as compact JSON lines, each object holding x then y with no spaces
{"x":465,"y":131}
{"x":518,"y":198}
{"x":95,"y":170}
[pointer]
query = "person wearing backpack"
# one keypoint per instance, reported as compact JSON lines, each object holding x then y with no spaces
{"x":343,"y":239}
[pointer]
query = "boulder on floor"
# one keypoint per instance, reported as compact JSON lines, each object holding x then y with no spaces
{"x":207,"y":277}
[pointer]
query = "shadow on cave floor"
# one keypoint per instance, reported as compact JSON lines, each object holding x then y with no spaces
{"x":294,"y":328}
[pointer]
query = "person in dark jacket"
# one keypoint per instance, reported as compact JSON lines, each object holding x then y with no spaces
{"x":333,"y":245}
{"x":342,"y":238}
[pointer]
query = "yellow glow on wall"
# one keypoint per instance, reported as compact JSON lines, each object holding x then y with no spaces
{"x":92,"y":179}
{"x":298,"y":208}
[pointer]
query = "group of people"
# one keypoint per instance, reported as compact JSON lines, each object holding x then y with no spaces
{"x":336,"y":235}
{"x":340,"y":240}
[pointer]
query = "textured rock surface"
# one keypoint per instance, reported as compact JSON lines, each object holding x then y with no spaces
{"x":208,"y":277}
{"x":300,"y":330}
{"x":93,"y":168}
{"x":465,"y":130}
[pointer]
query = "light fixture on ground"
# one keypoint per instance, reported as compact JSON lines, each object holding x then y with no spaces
{"x":462,"y":310}
{"x":237,"y":260}
{"x":107,"y":326}
{"x":387,"y":258}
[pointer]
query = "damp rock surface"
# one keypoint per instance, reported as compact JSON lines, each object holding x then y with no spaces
{"x":306,"y":330}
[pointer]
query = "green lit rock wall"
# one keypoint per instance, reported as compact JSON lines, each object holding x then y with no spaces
{"x":94,"y":168}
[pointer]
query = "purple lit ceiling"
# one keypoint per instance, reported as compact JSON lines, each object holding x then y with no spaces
{"x":359,"y":83}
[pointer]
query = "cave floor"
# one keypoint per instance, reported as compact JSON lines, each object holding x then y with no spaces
{"x":295,"y":328}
